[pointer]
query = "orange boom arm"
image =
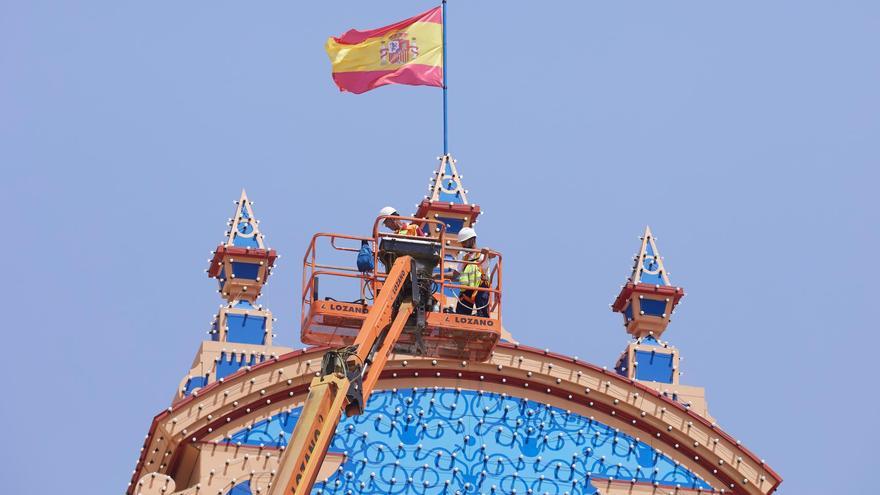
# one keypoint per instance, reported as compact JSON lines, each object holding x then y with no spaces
{"x":343,"y":384}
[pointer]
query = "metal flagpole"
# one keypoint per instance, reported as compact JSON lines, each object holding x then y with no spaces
{"x":445,"y":118}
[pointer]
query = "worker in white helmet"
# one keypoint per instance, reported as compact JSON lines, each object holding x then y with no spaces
{"x":471,"y":274}
{"x":397,"y":225}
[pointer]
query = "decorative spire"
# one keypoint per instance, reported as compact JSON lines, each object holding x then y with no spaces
{"x":242,"y":264}
{"x":241,"y":331}
{"x":447,"y":200}
{"x":648,"y":267}
{"x":648,"y":298}
{"x":446,"y":184}
{"x":646,"y":302}
{"x":244,"y":229}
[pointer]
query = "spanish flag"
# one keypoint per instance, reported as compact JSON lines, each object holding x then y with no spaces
{"x":407,"y":52}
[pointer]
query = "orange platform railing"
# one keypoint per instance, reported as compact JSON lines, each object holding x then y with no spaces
{"x":334,"y":321}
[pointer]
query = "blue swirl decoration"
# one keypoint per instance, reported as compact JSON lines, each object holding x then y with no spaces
{"x":449,"y":441}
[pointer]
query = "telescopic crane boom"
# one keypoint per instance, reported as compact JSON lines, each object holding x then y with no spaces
{"x":348,"y":375}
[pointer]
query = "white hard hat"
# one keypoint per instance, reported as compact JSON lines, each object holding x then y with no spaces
{"x":388,"y":210}
{"x":466,"y":233}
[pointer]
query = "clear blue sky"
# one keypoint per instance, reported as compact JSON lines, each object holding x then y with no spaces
{"x":745,"y":133}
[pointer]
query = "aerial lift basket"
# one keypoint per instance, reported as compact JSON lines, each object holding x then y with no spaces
{"x":434,"y":329}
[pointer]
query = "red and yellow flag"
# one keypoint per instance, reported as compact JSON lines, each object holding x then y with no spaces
{"x":406,"y":52}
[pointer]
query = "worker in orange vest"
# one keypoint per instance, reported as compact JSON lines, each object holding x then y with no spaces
{"x":397,"y":225}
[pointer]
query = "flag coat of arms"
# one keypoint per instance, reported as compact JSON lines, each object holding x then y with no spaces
{"x":407,"y":52}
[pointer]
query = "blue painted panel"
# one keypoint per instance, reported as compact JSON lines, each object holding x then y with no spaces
{"x":448,"y":184}
{"x":450,"y":198}
{"x":229,"y":365}
{"x":628,"y":311}
{"x":453,"y":225}
{"x":195,"y":382}
{"x":649,"y":340}
{"x":243,"y":488}
{"x":246,"y":329}
{"x":413,"y":442}
{"x":244,"y":305}
{"x":651,"y":278}
{"x":652,"y":307}
{"x":654,"y":366}
{"x":250,"y":242}
{"x":245,"y":270}
{"x":623,"y":365}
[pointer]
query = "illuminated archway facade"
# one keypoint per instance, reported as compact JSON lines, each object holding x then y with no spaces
{"x":527,"y":421}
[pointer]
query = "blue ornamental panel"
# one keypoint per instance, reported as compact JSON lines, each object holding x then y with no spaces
{"x":444,"y":441}
{"x":651,"y":278}
{"x":229,"y":364}
{"x":449,"y":184}
{"x":193,"y":383}
{"x":650,"y":275}
{"x":623,"y":365}
{"x":246,"y":329}
{"x":453,"y":225}
{"x":654,"y":366}
{"x":243,"y":488}
{"x":249,"y":271}
{"x":629,"y":311}
{"x":653,"y":307}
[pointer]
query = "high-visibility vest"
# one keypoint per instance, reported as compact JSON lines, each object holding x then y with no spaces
{"x":410,"y":229}
{"x":472,"y":274}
